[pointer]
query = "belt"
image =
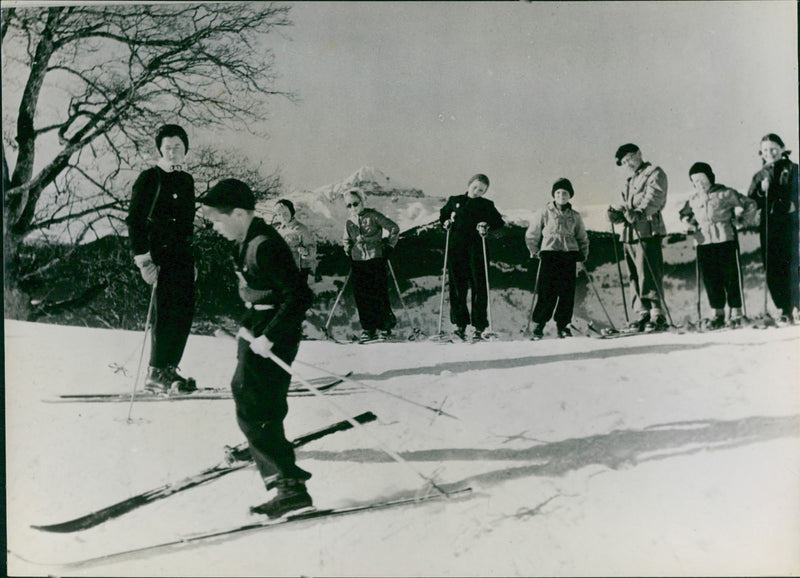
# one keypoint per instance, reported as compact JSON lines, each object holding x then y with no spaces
{"x":258,"y":306}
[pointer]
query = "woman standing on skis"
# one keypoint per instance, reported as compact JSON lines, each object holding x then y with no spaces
{"x":774,"y":188}
{"x":368,"y":252}
{"x":710,"y":215}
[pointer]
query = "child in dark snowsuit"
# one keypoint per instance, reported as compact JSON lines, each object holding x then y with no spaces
{"x":469,"y":217}
{"x":775,"y":189}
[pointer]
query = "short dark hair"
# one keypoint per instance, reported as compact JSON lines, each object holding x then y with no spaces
{"x":169,"y":130}
{"x":288,"y":204}
{"x":479,"y":177}
{"x":229,"y":193}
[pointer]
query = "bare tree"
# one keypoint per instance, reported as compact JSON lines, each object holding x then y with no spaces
{"x":108,"y":75}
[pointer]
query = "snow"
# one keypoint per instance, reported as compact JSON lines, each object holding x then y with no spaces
{"x":661,"y":454}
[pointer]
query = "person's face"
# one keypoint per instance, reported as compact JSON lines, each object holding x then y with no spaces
{"x":173,"y":150}
{"x":227,"y":225}
{"x":631,"y":161}
{"x":701,"y":182}
{"x":771,"y":151}
{"x":561,"y":197}
{"x":283,"y":213}
{"x":477,"y":189}
{"x":353,"y":204}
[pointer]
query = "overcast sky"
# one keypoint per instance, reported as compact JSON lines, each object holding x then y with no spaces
{"x":431,"y":93}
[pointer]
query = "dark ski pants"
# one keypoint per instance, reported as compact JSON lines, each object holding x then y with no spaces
{"x":720,"y":274}
{"x":259,"y":389}
{"x":467,"y":274}
{"x":779,"y":254}
{"x":172,"y":312}
{"x":555,"y":288}
{"x":645,"y":284}
{"x":371,"y":291}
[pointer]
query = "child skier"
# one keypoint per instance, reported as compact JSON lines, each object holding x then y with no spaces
{"x":558,"y":238}
{"x":469,"y":217}
{"x":368,"y":252}
{"x":710,"y":215}
{"x":276,"y":296}
{"x":775,"y":189}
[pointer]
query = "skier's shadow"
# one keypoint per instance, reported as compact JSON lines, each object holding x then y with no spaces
{"x":615,"y":450}
{"x":511,"y":363}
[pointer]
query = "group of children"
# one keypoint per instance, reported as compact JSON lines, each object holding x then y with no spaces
{"x":557,"y":240}
{"x":273,"y":265}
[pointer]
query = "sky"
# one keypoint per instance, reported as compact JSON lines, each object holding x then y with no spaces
{"x":527,"y":92}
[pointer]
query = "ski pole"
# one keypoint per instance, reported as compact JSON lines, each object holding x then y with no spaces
{"x":245,"y":334}
{"x":355,"y":382}
{"x":414,"y":330}
{"x":144,"y":344}
{"x":656,"y":282}
{"x":765,"y":251}
{"x":597,"y":294}
{"x":491,"y":333}
{"x":697,"y":278}
{"x":534,"y":295}
{"x":739,"y":271}
{"x":335,"y":303}
{"x":619,"y":272}
{"x":444,"y":276}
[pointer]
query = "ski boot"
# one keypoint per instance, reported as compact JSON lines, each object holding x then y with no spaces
{"x":640,"y":324}
{"x":716,"y":322}
{"x":461,"y":333}
{"x":292,"y":496}
{"x":167,"y":380}
{"x":564,"y":332}
{"x":366,"y":336}
{"x":538,"y":332}
{"x":657,"y":324}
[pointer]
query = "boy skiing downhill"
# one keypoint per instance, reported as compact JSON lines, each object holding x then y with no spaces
{"x":160,"y":227}
{"x":276,"y":296}
{"x":710,"y":216}
{"x":469,"y":217}
{"x":557,"y":237}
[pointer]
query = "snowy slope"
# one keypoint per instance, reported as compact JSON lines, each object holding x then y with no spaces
{"x":662,"y":454}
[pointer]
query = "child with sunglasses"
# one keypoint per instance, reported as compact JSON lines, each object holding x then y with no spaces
{"x":368,"y":250}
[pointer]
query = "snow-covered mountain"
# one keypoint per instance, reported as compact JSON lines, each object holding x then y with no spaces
{"x":324,"y":211}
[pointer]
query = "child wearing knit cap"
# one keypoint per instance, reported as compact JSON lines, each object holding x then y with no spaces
{"x":712,"y":215}
{"x":557,"y":237}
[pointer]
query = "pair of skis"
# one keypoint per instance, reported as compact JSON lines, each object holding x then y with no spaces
{"x":296,"y":389}
{"x":128,"y":505}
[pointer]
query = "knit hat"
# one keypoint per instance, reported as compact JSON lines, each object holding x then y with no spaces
{"x":704,"y":168}
{"x":231,"y":194}
{"x":563,"y":183}
{"x":624,"y":150}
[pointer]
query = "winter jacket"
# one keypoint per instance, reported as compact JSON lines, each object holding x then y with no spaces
{"x":465,"y":213}
{"x":364,"y":240}
{"x":301,"y":242}
{"x":557,"y":229}
{"x":161,"y":215}
{"x":643,"y":199}
{"x":275,"y":293}
{"x":781,"y":191}
{"x":711,"y":214}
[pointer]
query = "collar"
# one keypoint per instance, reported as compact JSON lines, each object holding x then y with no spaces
{"x":168,"y":167}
